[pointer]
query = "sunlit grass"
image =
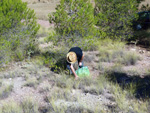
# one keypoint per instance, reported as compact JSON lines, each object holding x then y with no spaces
{"x":115,"y":51}
{"x":10,"y":107}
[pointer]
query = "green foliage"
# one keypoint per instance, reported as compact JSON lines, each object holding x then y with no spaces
{"x":73,"y":17}
{"x":15,"y":13}
{"x":74,"y":25}
{"x":18,"y":28}
{"x":115,"y":18}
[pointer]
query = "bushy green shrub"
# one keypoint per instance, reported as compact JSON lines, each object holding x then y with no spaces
{"x":74,"y":24}
{"x":18,"y":28}
{"x":115,"y":18}
{"x":15,"y":14}
{"x":73,"y":17}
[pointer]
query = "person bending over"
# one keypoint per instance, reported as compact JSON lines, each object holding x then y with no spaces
{"x":74,"y":54}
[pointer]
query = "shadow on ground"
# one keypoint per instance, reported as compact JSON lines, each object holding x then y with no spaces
{"x":56,"y":61}
{"x":142,"y":85}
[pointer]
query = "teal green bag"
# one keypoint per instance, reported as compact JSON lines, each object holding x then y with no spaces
{"x":82,"y":72}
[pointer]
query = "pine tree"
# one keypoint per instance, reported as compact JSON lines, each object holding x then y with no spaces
{"x":73,"y":17}
{"x":18,"y":28}
{"x":115,"y":18}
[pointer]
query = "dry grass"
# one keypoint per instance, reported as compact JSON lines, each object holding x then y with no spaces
{"x":11,"y":107}
{"x":5,"y":90}
{"x":114,"y":51}
{"x":28,"y":105}
{"x":31,"y":82}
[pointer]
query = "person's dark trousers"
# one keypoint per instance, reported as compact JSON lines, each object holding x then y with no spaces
{"x":70,"y":72}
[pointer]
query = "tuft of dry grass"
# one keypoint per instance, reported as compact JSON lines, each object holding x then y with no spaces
{"x":127,"y":104}
{"x":29,"y":105}
{"x":10,"y":107}
{"x":114,"y":51}
{"x":130,"y":58}
{"x":5,"y":90}
{"x":31,"y":82}
{"x":45,"y":87}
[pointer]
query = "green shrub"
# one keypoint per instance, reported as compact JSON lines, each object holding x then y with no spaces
{"x":114,"y":18}
{"x":73,"y":17}
{"x":18,"y":28}
{"x":74,"y":24}
{"x":15,"y":14}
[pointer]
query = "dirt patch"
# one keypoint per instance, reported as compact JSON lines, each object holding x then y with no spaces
{"x":45,"y":23}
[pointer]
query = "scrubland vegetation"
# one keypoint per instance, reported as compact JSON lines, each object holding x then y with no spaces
{"x":34,"y":78}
